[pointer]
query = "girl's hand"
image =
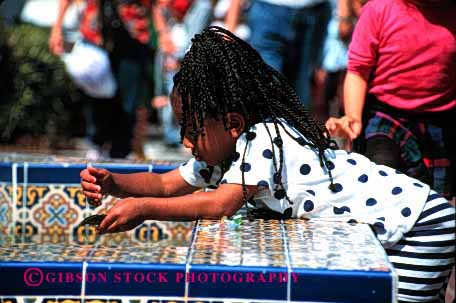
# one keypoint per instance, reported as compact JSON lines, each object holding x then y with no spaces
{"x":95,"y":183}
{"x":344,"y":127}
{"x":126,"y":214}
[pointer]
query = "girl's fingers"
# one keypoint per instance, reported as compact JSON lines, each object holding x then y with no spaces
{"x":90,"y":187}
{"x":115,"y":228}
{"x":106,"y":223}
{"x":86,"y":176}
{"x":97,"y":172}
{"x":92,"y":195}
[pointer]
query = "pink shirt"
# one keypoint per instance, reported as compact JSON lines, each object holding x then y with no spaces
{"x":407,"y":55}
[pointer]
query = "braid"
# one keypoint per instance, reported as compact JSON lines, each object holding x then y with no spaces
{"x":221,"y":73}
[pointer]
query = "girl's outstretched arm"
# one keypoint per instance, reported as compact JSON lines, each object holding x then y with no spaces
{"x":97,"y":182}
{"x":130,"y":212}
{"x":153,"y":185}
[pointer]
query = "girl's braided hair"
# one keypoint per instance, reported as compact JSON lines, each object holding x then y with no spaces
{"x":221,"y":74}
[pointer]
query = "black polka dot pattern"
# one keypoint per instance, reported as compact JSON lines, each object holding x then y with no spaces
{"x":396,"y":191}
{"x":351,"y":161}
{"x":304,"y":169}
{"x":406,"y":212}
{"x":259,"y":162}
{"x":288,"y":213}
{"x":341,"y":210}
{"x":363,"y":178}
{"x":311,"y":192}
{"x":263,"y":183}
{"x":379,"y":228}
{"x":245,"y":167}
{"x":336,"y":187}
{"x":235,"y":156}
{"x":308,"y":205}
{"x":371,"y":202}
{"x":267,"y":153}
{"x":250,"y":136}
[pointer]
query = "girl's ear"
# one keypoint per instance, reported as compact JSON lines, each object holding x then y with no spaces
{"x":236,"y":124}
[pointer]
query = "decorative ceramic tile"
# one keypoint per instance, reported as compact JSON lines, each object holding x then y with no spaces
{"x":43,"y":158}
{"x":89,"y":300}
{"x":257,"y":243}
{"x":6,"y":210}
{"x":44,"y":253}
{"x":334,"y":246}
{"x":311,"y":244}
{"x":56,"y":213}
{"x":166,"y":252}
{"x":39,"y":223}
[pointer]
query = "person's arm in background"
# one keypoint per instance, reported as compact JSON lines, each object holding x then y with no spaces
{"x":197,"y":18}
{"x":232,"y":15}
{"x":362,"y":57}
{"x":56,"y":37}
{"x":346,"y":18}
{"x":161,"y":26}
{"x":350,"y":125}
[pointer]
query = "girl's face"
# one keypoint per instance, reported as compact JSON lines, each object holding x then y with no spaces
{"x":217,"y":144}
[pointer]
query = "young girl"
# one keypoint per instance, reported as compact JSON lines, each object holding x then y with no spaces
{"x":254,"y":143}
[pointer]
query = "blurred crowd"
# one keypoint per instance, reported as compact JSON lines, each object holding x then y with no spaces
{"x":360,"y":67}
{"x":124,"y":55}
{"x":394,"y":104}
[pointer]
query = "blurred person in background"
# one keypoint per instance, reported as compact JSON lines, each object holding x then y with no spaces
{"x":126,"y":30}
{"x":289,"y":36}
{"x":348,"y":12}
{"x":329,"y":79}
{"x":184,"y":19}
{"x":241,"y":29}
{"x":400,"y":89}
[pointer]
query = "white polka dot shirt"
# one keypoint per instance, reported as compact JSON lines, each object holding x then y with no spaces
{"x":363,"y":191}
